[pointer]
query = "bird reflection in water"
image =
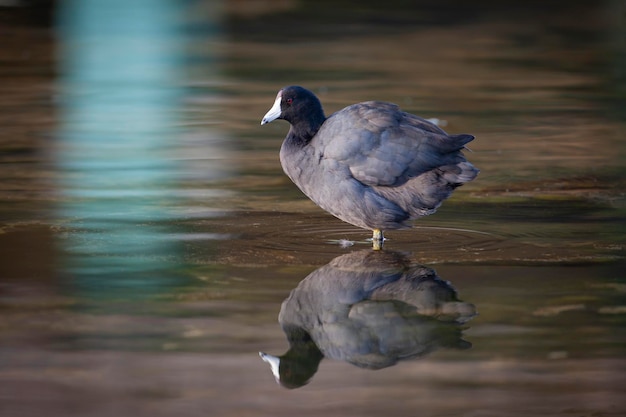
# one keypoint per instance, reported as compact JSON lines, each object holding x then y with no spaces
{"x":368,"y":308}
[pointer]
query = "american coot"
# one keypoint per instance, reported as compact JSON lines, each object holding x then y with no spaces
{"x":371,"y":164}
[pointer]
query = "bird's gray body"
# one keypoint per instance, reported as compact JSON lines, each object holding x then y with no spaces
{"x":377,"y":167}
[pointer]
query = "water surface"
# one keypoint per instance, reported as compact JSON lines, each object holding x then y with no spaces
{"x":151,"y":247}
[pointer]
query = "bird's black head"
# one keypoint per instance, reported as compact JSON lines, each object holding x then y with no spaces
{"x":299,"y":107}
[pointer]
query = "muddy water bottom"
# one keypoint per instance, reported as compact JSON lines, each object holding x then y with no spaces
{"x":157,"y":301}
{"x":184,"y":337}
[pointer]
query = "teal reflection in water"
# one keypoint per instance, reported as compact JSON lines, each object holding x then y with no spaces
{"x":122,"y":64}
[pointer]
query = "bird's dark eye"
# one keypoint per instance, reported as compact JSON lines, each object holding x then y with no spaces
{"x":289,"y":100}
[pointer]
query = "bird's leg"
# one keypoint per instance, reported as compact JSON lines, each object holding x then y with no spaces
{"x":377,"y":239}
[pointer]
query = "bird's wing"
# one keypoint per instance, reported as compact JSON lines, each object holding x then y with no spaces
{"x":383,"y":146}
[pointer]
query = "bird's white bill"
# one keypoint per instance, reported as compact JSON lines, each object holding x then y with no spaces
{"x":275,"y":111}
{"x":274,"y":364}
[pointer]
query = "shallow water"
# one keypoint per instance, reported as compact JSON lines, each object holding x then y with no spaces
{"x":149,"y":240}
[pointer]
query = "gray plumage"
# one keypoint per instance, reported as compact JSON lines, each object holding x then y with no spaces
{"x":370,"y":164}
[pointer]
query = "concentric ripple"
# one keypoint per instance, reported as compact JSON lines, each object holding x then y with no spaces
{"x":297,"y":238}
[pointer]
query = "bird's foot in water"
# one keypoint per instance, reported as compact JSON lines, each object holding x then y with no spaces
{"x":377,"y":239}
